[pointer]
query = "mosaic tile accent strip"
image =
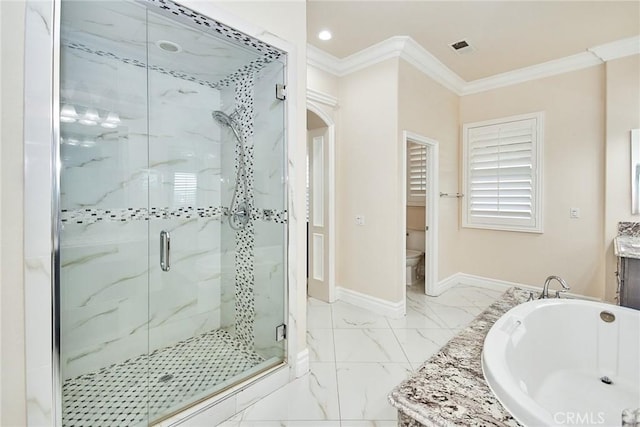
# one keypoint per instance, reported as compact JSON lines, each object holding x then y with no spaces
{"x":449,"y":388}
{"x":245,"y":304}
{"x":629,"y":229}
{"x":93,"y":215}
{"x":269,"y":215}
{"x":117,"y":395}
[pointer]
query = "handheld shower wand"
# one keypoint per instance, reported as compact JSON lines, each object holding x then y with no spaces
{"x":238,"y":215}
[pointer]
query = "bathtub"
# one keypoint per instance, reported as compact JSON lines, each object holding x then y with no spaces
{"x":565,"y":362}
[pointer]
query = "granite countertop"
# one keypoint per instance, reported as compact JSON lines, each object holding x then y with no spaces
{"x":449,"y":388}
{"x":627,"y":246}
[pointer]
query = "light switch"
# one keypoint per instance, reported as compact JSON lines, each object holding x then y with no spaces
{"x":359,"y":219}
{"x":574,"y":213}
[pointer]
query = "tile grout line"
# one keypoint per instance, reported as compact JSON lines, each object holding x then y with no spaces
{"x":393,"y":331}
{"x":335,"y":363}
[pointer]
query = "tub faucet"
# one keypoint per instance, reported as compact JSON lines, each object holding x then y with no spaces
{"x":545,"y":288}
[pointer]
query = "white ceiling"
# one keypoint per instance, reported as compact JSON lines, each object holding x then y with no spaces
{"x":505,"y":35}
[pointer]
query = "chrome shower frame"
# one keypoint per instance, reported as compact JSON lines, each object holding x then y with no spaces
{"x":56,"y":222}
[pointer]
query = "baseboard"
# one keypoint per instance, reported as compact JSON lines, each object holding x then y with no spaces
{"x":445,"y":284}
{"x":302,"y":363}
{"x":377,"y":305}
{"x":486,"y":282}
{"x":473,"y":280}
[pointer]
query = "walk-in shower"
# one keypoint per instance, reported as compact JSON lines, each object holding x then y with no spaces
{"x":171,"y":214}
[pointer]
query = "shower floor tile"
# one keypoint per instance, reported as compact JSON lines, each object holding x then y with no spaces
{"x":152,"y":385}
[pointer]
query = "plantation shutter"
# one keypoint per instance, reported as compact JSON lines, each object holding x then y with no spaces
{"x":416,"y":174}
{"x":501,"y":175}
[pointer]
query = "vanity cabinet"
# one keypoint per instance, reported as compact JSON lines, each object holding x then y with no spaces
{"x":627,"y":249}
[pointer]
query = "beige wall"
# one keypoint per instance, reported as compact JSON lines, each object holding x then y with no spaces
{"x":416,"y":217}
{"x":314,"y":121}
{"x":368,"y":257}
{"x":12,"y":362}
{"x":622,"y":115}
{"x":322,"y":81}
{"x":431,"y":110}
{"x":574,"y":171}
{"x":574,"y":151}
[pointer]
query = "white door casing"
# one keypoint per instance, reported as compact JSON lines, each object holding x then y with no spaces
{"x":318,"y":103}
{"x":431,"y":210}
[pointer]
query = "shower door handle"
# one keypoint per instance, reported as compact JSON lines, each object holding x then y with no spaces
{"x":165,"y":250}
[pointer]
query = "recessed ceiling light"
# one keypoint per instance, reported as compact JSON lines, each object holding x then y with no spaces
{"x":169,"y":46}
{"x":324,"y":35}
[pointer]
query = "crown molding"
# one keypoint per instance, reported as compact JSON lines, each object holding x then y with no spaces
{"x":424,"y":61}
{"x":394,"y":47}
{"x":408,"y":49}
{"x":379,"y":52}
{"x":321,"y":97}
{"x":538,"y":71}
{"x":321,"y":60}
{"x":617,"y":49}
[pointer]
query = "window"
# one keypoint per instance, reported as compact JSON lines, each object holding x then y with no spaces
{"x":502,"y":174}
{"x":416,"y":173}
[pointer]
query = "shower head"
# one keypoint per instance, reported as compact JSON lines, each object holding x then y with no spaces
{"x":223,"y":118}
{"x":226,"y":120}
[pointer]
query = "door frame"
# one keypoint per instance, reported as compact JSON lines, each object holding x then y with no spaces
{"x":431,"y":210}
{"x":330,"y":202}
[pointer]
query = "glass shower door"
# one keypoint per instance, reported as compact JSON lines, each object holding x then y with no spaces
{"x":173,"y":211}
{"x":103,"y":259}
{"x":216,"y":288}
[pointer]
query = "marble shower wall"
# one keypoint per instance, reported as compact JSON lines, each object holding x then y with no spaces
{"x":269,"y":189}
{"x":228,"y":236}
{"x":113,"y":291}
{"x":245,"y":307}
{"x":253,"y":259}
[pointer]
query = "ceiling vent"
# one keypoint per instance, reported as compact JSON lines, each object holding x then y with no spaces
{"x":461,"y":46}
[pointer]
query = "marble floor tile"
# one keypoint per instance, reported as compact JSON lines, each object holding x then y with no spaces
{"x":319,"y":317}
{"x":363,"y":389}
{"x":369,"y":423}
{"x":311,"y":397}
{"x":421,"y":319}
{"x":320,"y":345}
{"x":374,"y":354}
{"x":302,"y":423}
{"x":456,"y":317}
{"x":349,"y":316}
{"x":367,"y":345}
{"x":463,"y":296}
{"x":294,"y":423}
{"x":317,"y":303}
{"x":420,"y":344}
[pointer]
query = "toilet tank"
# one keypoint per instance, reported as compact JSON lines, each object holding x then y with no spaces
{"x":415,"y":239}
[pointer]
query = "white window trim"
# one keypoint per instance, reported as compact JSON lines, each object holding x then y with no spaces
{"x":538,"y":205}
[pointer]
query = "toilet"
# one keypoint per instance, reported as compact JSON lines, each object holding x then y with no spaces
{"x":415,"y":256}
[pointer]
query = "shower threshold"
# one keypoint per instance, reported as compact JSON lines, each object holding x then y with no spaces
{"x":144,"y":388}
